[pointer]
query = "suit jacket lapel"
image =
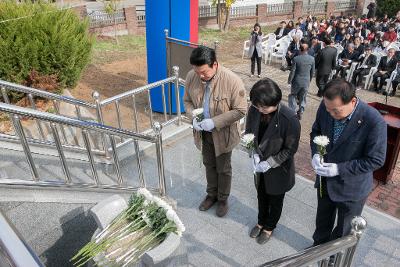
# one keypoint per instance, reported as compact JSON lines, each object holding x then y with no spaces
{"x":354,"y":123}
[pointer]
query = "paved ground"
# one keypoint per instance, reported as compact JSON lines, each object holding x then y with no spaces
{"x":59,"y":223}
{"x":384,"y":197}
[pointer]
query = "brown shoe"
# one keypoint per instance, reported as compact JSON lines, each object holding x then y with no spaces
{"x":222,"y":208}
{"x":207,"y":203}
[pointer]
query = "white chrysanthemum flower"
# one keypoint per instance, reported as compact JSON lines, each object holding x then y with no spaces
{"x":321,"y":140}
{"x":170,"y":215}
{"x":198,"y":111}
{"x":144,"y":192}
{"x":248,"y":138}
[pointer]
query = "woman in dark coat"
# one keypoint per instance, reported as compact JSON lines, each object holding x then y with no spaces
{"x":277,"y":133}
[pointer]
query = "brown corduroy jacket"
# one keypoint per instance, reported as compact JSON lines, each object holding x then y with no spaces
{"x":227,"y":106}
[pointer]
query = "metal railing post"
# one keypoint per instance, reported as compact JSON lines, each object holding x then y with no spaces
{"x":177,"y":94}
{"x":157,"y":127}
{"x":99,"y":115}
{"x":25,"y":146}
{"x":64,"y":165}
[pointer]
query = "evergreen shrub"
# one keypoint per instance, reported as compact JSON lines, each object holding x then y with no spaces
{"x":37,"y":39}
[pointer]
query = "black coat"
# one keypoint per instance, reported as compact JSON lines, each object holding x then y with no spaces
{"x":278,"y":145}
{"x":371,"y":61}
{"x":387,"y":66}
{"x":325,"y":60}
{"x":346,"y":55}
{"x":285,"y":32}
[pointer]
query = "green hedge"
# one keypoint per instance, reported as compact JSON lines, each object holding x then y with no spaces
{"x":39,"y":37}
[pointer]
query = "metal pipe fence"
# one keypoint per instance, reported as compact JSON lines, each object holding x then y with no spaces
{"x":16,"y":113}
{"x":99,"y":18}
{"x":282,"y":8}
{"x":345,"y":5}
{"x":243,"y":11}
{"x":314,"y":8}
{"x":338,"y":253}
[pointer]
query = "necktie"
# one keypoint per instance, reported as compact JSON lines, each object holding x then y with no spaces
{"x":206,"y":101}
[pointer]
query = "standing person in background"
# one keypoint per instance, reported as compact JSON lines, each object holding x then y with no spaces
{"x":299,"y":78}
{"x":277,"y":134}
{"x":255,"y":49}
{"x":325,"y":61}
{"x":371,"y":10}
{"x":222,"y":95}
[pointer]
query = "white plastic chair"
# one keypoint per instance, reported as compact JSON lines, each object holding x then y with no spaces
{"x":372,"y":71}
{"x":388,"y":82}
{"x":268,"y":47}
{"x":279,"y":50}
{"x":349,"y":72}
{"x":246,"y":47}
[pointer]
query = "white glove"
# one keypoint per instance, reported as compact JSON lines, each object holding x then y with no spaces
{"x":262,"y":166}
{"x":255,"y":161}
{"x":316,"y":161}
{"x":196,"y":125}
{"x":207,"y":125}
{"x":327,"y":170}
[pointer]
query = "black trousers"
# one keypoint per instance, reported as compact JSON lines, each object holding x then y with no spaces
{"x":253,"y":62}
{"x":269,"y":207}
{"x":395,"y":83}
{"x":326,"y":215}
{"x":341,"y":70}
{"x":382,"y":77}
{"x":358,"y":75}
{"x":321,"y":80}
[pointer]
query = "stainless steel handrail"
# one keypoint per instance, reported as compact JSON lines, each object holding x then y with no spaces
{"x":44,"y":94}
{"x":89,"y":125}
{"x":14,"y":248}
{"x":15,"y":112}
{"x":341,"y":251}
{"x":136,"y":91}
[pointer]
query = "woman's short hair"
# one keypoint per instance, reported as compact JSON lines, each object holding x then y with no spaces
{"x":203,"y":55}
{"x":340,"y":88}
{"x":265,"y":93}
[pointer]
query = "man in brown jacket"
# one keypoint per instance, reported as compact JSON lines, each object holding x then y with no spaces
{"x":223,"y":97}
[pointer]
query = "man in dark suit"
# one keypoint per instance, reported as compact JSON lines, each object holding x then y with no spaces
{"x":385,"y":68}
{"x":347,"y":57}
{"x":281,"y":31}
{"x":292,"y":52}
{"x":366,"y":63}
{"x":357,"y":147}
{"x":300,"y":77}
{"x":325,"y":61}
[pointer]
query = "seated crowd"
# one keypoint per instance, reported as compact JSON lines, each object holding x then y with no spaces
{"x":366,"y":42}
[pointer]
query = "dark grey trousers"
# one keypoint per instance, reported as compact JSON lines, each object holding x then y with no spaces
{"x":218,"y":169}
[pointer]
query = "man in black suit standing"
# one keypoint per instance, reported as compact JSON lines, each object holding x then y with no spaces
{"x":281,"y":31}
{"x":325,"y":61}
{"x":366,"y":63}
{"x":357,"y":147}
{"x":385,"y":68}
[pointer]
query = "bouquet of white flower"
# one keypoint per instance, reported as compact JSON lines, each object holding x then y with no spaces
{"x":198,"y":113}
{"x":248,"y":141}
{"x":142,"y":226}
{"x":321,"y":141}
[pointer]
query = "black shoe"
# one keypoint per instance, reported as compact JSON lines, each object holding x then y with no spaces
{"x":263,"y":237}
{"x":222,"y":208}
{"x":255,"y":231}
{"x":207,"y":203}
{"x":392,"y":94}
